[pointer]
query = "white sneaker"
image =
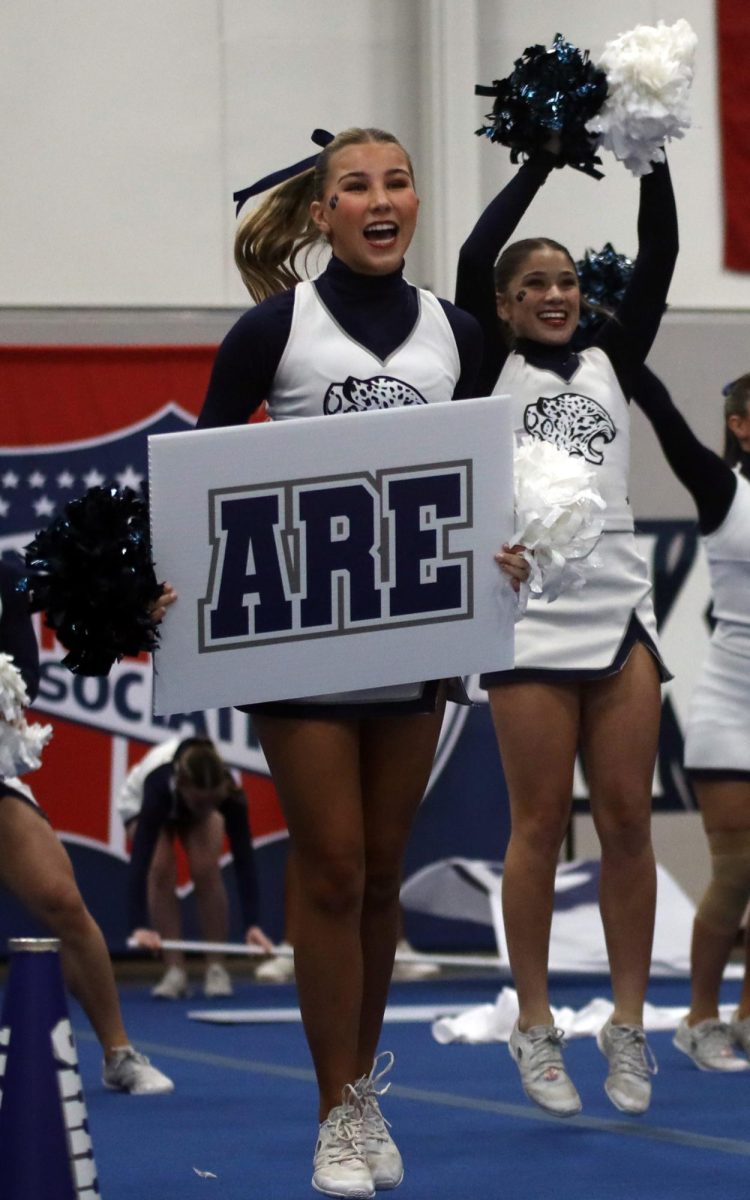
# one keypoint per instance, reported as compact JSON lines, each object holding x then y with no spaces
{"x":710,"y":1044}
{"x":383,"y":1157}
{"x":217,"y":982}
{"x":741,"y":1033}
{"x":129,"y":1071}
{"x":279,"y":969}
{"x":631,"y":1065}
{"x":339,"y":1164}
{"x":538,"y":1055}
{"x":172,"y":985}
{"x":410,"y":972}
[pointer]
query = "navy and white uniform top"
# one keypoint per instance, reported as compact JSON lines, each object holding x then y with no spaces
{"x":367,"y":322}
{"x":150,"y":794}
{"x":728,"y":554}
{"x":587,"y":415}
{"x":308,"y":381}
{"x":577,"y":399}
{"x":344,"y":342}
{"x":717,"y":742}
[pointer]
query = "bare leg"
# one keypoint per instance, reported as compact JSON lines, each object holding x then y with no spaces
{"x":743,"y":1008}
{"x":620,"y":729}
{"x":725,"y":805}
{"x":290,"y":898}
{"x":397,"y":757}
{"x":537,"y":732}
{"x":163,"y":902}
{"x":203,"y":842}
{"x":315,"y":766}
{"x":709,"y":954}
{"x":35,"y":867}
{"x":347,"y":889}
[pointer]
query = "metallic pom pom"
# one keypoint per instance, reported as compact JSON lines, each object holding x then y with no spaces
{"x":550,"y":91}
{"x":90,"y":572}
{"x":603,"y":275}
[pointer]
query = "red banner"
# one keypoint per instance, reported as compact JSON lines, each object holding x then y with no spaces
{"x":73,"y":417}
{"x":733,"y":21}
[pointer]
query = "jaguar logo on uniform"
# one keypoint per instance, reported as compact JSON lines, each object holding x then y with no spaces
{"x":359,"y":395}
{"x":336,"y":554}
{"x":576,"y":423}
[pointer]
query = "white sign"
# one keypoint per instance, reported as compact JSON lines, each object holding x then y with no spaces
{"x":323,"y":554}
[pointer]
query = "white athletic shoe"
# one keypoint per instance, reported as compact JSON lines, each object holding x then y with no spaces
{"x":129,"y":1071}
{"x":410,"y":972}
{"x":538,"y":1055}
{"x":279,"y":969}
{"x":631,"y":1065}
{"x":710,"y":1044}
{"x":217,"y":982}
{"x":339,"y":1163}
{"x":172,"y":985}
{"x":383,"y":1157}
{"x":741,"y":1033}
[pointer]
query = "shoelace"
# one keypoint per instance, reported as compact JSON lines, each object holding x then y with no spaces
{"x":375,"y":1124}
{"x":346,"y":1133}
{"x":717,"y":1040}
{"x":546,"y":1051}
{"x":634,"y":1055}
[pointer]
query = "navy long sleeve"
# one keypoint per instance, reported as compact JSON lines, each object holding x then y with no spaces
{"x":475,"y":278}
{"x":711,"y":482}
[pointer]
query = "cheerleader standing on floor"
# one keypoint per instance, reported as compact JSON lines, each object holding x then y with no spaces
{"x":587,"y":670}
{"x":717,"y":743}
{"x":350,"y":770}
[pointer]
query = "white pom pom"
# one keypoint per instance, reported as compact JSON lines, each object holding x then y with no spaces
{"x":649,"y":72}
{"x":21,"y":747}
{"x":13,"y":695}
{"x":20,"y":744}
{"x":558,"y":514}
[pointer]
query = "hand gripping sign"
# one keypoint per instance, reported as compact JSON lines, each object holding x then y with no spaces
{"x":322,"y":555}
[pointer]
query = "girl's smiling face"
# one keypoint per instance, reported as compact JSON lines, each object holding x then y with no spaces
{"x":543,"y":299}
{"x":369,"y":207}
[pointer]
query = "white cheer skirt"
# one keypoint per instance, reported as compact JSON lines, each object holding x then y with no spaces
{"x":581,"y":633}
{"x":717,"y":735}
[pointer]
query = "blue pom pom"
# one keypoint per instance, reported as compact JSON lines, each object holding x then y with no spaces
{"x":550,"y":91}
{"x":91,"y":574}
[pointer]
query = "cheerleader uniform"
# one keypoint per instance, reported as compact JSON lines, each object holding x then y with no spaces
{"x":345,"y":343}
{"x":150,"y":794}
{"x":578,"y":400}
{"x":717,"y":735}
{"x":17,"y":639}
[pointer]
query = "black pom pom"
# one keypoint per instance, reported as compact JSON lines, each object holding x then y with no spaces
{"x":550,"y":91}
{"x":603,"y":275}
{"x":91,"y":574}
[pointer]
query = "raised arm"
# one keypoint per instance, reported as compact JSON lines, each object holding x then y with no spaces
{"x":475,"y":281}
{"x":628,"y":338}
{"x":710,"y":481}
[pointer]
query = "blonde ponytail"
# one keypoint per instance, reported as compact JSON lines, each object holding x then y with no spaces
{"x":271,"y":237}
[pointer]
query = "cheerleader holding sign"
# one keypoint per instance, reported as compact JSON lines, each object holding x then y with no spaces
{"x":350,"y":770}
{"x":588,"y":671}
